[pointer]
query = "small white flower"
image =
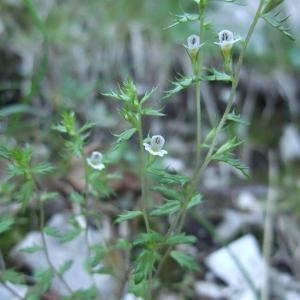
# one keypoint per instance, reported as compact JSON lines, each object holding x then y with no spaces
{"x":96,"y":161}
{"x":193,"y":43}
{"x":226,"y":39}
{"x":156,"y":146}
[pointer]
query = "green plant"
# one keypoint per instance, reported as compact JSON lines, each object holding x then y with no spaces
{"x":151,"y":247}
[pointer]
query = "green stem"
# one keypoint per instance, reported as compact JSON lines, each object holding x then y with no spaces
{"x":268,"y":235}
{"x":198,"y":72}
{"x":85,"y":203}
{"x":144,"y":197}
{"x":45,"y":247}
{"x":3,"y":282}
{"x":143,"y":176}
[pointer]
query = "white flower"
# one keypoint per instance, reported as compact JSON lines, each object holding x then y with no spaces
{"x":226,"y":39}
{"x":95,"y":161}
{"x":193,"y":43}
{"x":156,"y":144}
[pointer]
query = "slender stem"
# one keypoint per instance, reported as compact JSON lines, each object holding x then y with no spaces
{"x":85,"y":203}
{"x":10,"y":289}
{"x":269,"y":223}
{"x":198,"y":122}
{"x":197,"y":72}
{"x":144,"y":197}
{"x":46,"y":251}
{"x":3,"y":282}
{"x":143,"y":176}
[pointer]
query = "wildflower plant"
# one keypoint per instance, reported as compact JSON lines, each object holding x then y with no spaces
{"x":150,"y":248}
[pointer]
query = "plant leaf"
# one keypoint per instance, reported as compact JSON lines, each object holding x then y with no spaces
{"x":197,"y":199}
{"x":128,"y":215}
{"x":184,"y":260}
{"x":271,"y":4}
{"x":168,"y":208}
{"x":32,"y":249}
{"x":124,"y":136}
{"x":6,"y":222}
{"x":181,"y":238}
{"x":184,"y":18}
{"x":279,"y":23}
{"x":12,"y":276}
{"x":65,"y":266}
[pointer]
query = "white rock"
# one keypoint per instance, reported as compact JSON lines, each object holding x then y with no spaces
{"x":210,"y":290}
{"x":289,"y":144}
{"x":21,"y":290}
{"x":247,"y":201}
{"x":76,"y":277}
{"x":292,"y":296}
{"x":234,"y":221}
{"x":245,"y":250}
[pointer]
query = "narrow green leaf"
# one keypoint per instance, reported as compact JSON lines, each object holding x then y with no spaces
{"x":124,"y":136}
{"x":197,"y":199}
{"x":52,"y":231}
{"x":150,"y":239}
{"x":60,"y":128}
{"x":166,"y":192}
{"x":6,"y":222}
{"x":86,"y":127}
{"x":148,"y":95}
{"x":184,"y":18}
{"x":32,"y":249}
{"x":128,"y":215}
{"x":77,"y":198}
{"x":44,"y":278}
{"x":65,"y":267}
{"x":42,"y":168}
{"x":144,"y":265}
{"x":151,"y":112}
{"x":228,"y":146}
{"x":180,"y":84}
{"x":83,"y":294}
{"x":181,"y":238}
{"x":170,"y":207}
{"x":279,"y":23}
{"x":122,"y":244}
{"x":214,"y":75}
{"x":237,"y":119}
{"x":234,"y":162}
{"x":270,"y":5}
{"x":70,"y":235}
{"x":12,"y":276}
{"x":24,"y":195}
{"x":168,"y":178}
{"x":184,"y":260}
